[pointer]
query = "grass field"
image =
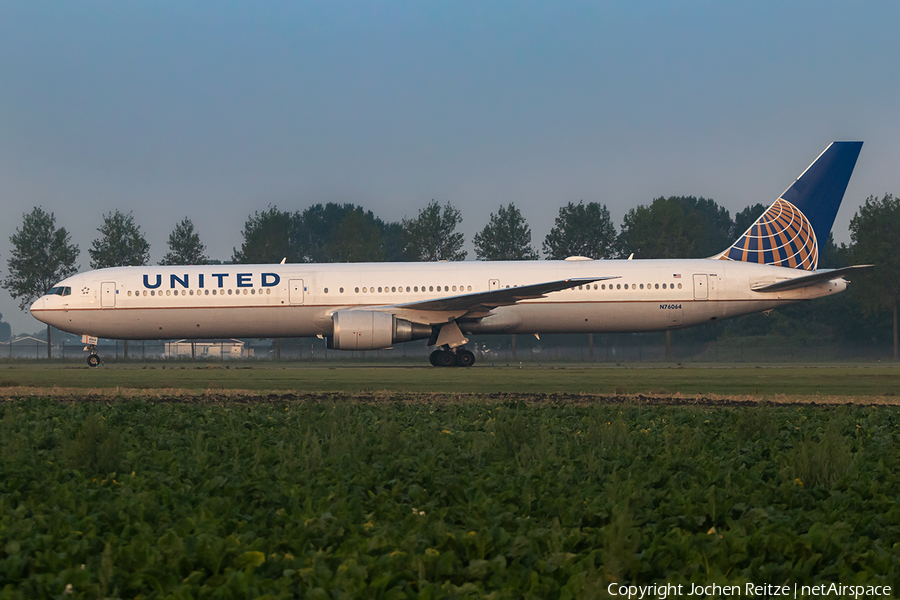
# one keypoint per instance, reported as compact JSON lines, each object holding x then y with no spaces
{"x":761,"y":381}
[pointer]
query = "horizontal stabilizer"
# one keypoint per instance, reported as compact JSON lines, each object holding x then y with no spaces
{"x":808,"y":280}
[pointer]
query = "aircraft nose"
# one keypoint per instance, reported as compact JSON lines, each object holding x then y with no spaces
{"x":37,"y":306}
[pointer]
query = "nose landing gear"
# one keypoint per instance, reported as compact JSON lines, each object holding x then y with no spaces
{"x":456,"y":357}
{"x":93,"y":359}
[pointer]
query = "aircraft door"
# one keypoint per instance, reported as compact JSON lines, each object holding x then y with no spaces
{"x":701,"y":287}
{"x":494,"y":284}
{"x":295,"y":291}
{"x":108,"y":294}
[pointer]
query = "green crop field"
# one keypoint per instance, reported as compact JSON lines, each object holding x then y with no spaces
{"x":851,"y":381}
{"x":276,"y":480}
{"x":475,"y":499}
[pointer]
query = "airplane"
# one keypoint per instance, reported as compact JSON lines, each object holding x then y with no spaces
{"x":368,"y":306}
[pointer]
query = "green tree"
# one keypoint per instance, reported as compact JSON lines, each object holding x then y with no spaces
{"x":875,"y":231}
{"x":268,"y":238}
{"x":42,"y":255}
{"x":832,"y":256}
{"x":185,"y":247}
{"x":333,"y":232}
{"x":393,"y":243}
{"x":676,"y":227}
{"x":581,"y":230}
{"x":120,"y":244}
{"x":358,"y":237}
{"x":432,"y":235}
{"x":507,"y":236}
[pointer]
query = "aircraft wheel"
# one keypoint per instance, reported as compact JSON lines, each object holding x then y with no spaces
{"x":464,"y":358}
{"x":432,"y":358}
{"x":93,"y":361}
{"x":445,"y":358}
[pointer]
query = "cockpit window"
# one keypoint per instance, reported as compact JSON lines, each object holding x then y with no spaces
{"x":59,"y":291}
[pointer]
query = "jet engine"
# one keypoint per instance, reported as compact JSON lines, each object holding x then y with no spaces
{"x":371,"y":330}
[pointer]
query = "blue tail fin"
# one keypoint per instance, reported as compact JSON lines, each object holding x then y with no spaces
{"x":787,"y":233}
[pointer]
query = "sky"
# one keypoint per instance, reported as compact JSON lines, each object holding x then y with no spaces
{"x":214,"y":110}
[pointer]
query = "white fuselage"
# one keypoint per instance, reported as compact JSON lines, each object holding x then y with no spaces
{"x":298,"y":300}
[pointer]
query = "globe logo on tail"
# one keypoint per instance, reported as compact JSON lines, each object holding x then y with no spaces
{"x":782,"y":236}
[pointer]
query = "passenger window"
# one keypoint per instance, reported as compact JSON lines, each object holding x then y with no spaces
{"x":679,"y":286}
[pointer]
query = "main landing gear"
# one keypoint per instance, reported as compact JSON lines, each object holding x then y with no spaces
{"x":456,"y":357}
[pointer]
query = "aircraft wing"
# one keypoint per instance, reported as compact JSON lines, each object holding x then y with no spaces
{"x":480,"y":304}
{"x":807,"y":280}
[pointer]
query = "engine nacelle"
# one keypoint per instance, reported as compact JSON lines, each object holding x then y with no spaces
{"x":372,"y":330}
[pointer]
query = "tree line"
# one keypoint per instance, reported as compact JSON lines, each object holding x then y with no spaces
{"x":669,"y":227}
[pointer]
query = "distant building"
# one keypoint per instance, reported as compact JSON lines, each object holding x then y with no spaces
{"x":25,"y":346}
{"x":230,"y":348}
